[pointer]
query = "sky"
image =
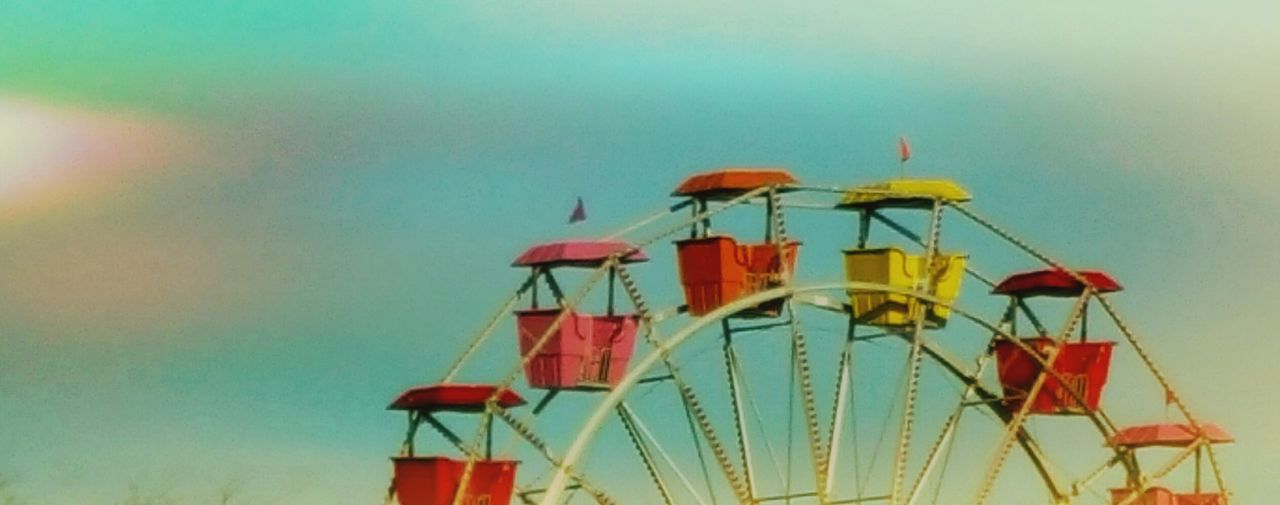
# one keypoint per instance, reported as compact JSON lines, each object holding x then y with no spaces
{"x":230,"y":233}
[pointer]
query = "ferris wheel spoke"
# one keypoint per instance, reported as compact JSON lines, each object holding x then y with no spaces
{"x":633,"y":294}
{"x":647,"y":435}
{"x":791,"y":419}
{"x":702,"y":458}
{"x":699,"y":422}
{"x":817,"y":449}
{"x":863,"y":475}
{"x":908,"y":419}
{"x":628,"y":423}
{"x":699,"y":417}
{"x":839,"y":404}
{"x":947,"y":435}
{"x":755,"y":412}
{"x":776,"y":231}
{"x":950,"y":450}
{"x":1009,"y":237}
{"x":731,"y":366}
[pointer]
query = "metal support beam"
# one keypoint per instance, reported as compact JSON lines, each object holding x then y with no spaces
{"x":735,"y":395}
{"x":843,"y":378}
{"x":643,"y":450}
{"x":922,"y":285}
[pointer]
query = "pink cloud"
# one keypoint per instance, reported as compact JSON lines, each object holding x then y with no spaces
{"x":51,"y":154}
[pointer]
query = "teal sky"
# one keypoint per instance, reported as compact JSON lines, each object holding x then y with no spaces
{"x":230,"y":233}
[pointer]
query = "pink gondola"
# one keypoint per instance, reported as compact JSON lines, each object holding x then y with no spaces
{"x":577,"y":253}
{"x":1168,"y":435}
{"x":586,"y":351}
{"x":1174,"y":435}
{"x":1163,"y":496}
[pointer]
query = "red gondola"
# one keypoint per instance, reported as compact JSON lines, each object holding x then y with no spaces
{"x":1055,"y":282}
{"x":433,"y":480}
{"x":453,"y":398}
{"x":1081,"y":367}
{"x":586,"y":351}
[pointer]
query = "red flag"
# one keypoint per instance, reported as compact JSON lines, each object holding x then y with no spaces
{"x":579,"y":212}
{"x":904,"y":149}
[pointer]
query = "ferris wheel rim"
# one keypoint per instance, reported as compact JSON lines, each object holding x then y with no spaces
{"x":616,"y":396}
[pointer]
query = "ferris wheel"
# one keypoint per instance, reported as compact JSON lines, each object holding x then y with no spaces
{"x":754,"y":384}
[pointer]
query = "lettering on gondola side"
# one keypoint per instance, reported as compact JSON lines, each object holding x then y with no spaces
{"x":1071,"y":389}
{"x":483,"y":499}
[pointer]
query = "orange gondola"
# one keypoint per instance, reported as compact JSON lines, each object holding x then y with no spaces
{"x":716,"y":269}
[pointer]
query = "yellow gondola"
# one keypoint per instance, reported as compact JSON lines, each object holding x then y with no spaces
{"x":896,"y":268}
